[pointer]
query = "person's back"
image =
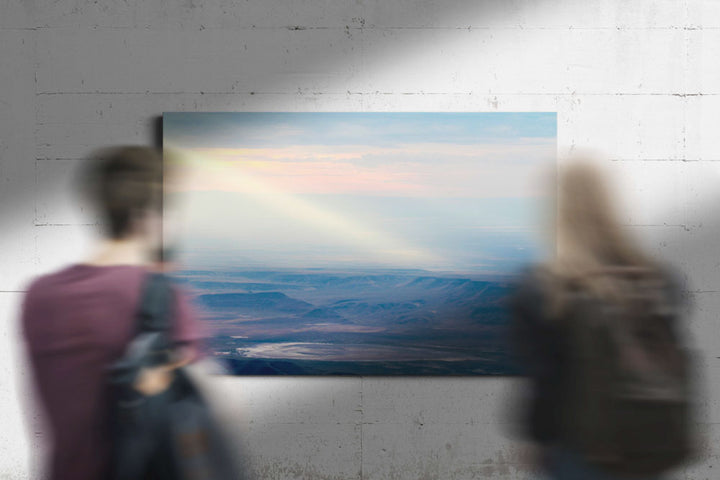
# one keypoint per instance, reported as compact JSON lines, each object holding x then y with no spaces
{"x":610,"y":395}
{"x":79,"y":320}
{"x":76,"y":322}
{"x":595,"y":329}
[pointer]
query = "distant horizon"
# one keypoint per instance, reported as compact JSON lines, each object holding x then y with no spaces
{"x":367,"y":269}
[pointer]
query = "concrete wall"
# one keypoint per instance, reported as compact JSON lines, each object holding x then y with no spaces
{"x":639,"y":80}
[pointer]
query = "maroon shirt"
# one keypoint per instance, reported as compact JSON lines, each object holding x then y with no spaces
{"x":77,"y":322}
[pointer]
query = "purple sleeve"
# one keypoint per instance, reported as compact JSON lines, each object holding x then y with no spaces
{"x":31,"y":310}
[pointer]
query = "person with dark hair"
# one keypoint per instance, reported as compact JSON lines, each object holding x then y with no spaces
{"x":79,"y":320}
{"x":125,"y":184}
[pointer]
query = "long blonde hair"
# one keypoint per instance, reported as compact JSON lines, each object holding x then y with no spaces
{"x":589,"y":239}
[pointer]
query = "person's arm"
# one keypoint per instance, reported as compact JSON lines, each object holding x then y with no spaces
{"x":187,"y":335}
{"x":538,"y":345}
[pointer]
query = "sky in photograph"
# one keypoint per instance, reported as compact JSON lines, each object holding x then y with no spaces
{"x":442,"y":191}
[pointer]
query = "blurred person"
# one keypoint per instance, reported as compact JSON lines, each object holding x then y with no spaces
{"x":79,"y":320}
{"x":598,"y":335}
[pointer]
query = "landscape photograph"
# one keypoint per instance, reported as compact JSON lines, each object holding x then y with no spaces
{"x":358,"y":243}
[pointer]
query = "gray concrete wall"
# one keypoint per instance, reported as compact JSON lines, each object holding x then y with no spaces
{"x":639,"y":80}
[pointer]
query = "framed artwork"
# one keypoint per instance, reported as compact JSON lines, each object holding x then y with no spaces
{"x":359,"y":243}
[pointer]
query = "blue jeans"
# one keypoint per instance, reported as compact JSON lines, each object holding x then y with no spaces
{"x":564,"y":464}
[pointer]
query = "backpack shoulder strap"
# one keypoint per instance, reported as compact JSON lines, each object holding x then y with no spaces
{"x":151,"y":343}
{"x":154,"y":313}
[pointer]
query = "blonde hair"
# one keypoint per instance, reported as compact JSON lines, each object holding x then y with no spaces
{"x":590,"y":239}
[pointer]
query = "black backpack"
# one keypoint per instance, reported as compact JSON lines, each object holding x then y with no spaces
{"x":172,"y":435}
{"x":628,"y":399}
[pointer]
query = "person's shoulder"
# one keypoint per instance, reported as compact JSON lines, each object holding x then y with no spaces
{"x":86,"y":276}
{"x":532,"y":276}
{"x":46,"y":282}
{"x":530,"y":286}
{"x":42,"y":294}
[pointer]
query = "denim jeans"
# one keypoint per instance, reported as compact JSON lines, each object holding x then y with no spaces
{"x":564,"y":464}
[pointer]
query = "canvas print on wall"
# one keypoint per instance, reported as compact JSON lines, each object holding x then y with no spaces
{"x":359,"y":243}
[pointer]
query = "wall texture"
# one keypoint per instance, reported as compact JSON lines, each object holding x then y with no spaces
{"x":639,"y":80}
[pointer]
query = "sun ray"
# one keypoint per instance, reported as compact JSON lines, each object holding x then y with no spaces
{"x":205,"y":171}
